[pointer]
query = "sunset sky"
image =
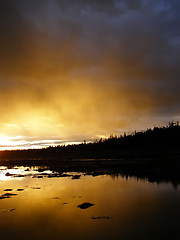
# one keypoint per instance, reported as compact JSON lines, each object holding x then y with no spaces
{"x":74,"y":70}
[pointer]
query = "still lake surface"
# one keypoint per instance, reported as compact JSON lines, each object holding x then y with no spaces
{"x":39,"y":204}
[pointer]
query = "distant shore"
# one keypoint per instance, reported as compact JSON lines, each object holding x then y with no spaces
{"x":153,"y":170}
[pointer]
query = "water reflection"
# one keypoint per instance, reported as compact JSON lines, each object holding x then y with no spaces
{"x":42,"y":204}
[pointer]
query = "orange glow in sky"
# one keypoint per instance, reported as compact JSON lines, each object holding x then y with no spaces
{"x":75,"y":71}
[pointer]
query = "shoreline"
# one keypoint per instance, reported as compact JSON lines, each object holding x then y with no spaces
{"x":153,"y":170}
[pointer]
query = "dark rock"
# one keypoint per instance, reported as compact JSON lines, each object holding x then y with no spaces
{"x":8,"y":174}
{"x":8,"y":194}
{"x":41,"y":170}
{"x":19,"y":175}
{"x":3,"y":197}
{"x":85,"y":205}
{"x":12,"y":209}
{"x":101,"y":217}
{"x":76,"y":177}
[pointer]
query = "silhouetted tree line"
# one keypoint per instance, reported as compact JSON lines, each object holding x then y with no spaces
{"x":153,"y":139}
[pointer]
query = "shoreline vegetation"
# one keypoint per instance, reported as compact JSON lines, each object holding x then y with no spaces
{"x":153,"y":154}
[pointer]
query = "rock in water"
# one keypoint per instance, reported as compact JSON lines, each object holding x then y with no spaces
{"x":85,"y":205}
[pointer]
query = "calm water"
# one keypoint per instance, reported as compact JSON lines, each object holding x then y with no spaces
{"x":45,"y":207}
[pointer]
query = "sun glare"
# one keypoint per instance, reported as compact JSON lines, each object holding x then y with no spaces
{"x":8,"y":142}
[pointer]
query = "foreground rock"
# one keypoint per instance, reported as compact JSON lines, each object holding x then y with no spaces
{"x":101,"y":217}
{"x":85,"y":205}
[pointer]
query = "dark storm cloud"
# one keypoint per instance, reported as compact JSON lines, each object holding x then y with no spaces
{"x":104,"y":58}
{"x":107,"y":6}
